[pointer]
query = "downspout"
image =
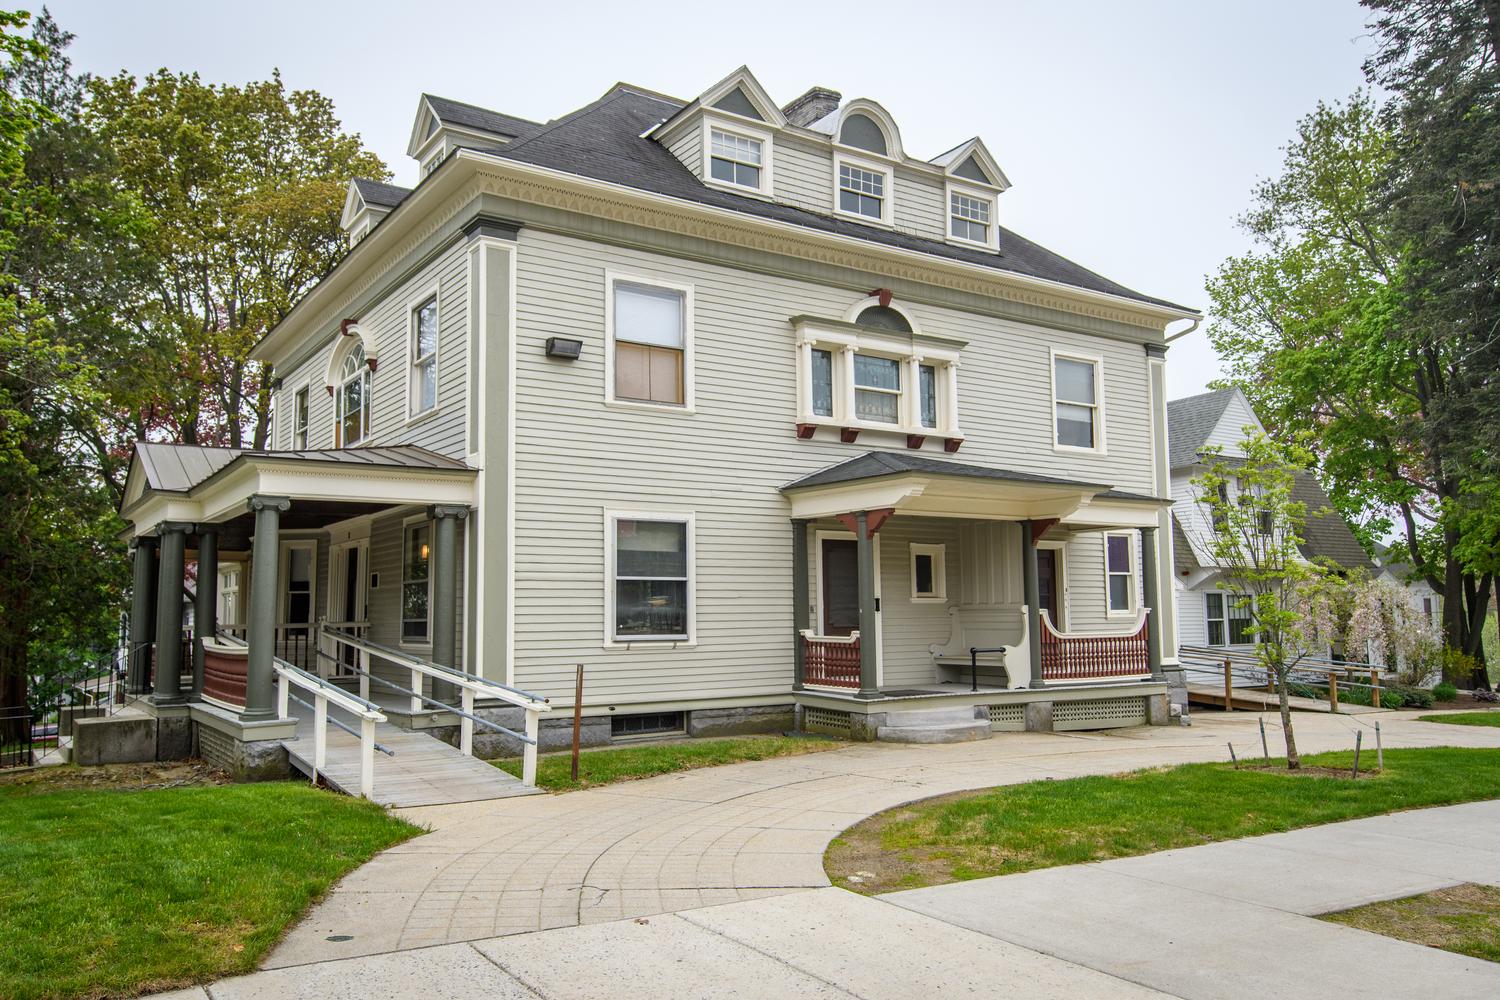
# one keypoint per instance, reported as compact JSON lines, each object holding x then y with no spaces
{"x":1197,"y":322}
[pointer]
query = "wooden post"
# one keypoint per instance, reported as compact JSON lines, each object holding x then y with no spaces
{"x":1333,"y":692}
{"x":367,"y":758}
{"x":1359,"y":737}
{"x":364,"y":677}
{"x":528,"y":755}
{"x":577,"y":717}
{"x":416,"y":685}
{"x":466,"y":724}
{"x":320,"y":735}
{"x":283,"y":697}
{"x":1375,"y":689}
{"x":1228,"y":687}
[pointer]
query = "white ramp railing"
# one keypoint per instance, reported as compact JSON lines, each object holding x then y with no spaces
{"x":289,"y":675}
{"x":469,"y":685}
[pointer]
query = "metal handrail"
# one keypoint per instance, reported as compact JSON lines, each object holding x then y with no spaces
{"x":517,"y":697}
{"x":488,"y":724}
{"x":974,"y":652}
{"x":351,"y":703}
{"x":346,"y":728}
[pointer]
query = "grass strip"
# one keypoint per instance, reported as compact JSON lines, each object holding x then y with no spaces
{"x":1464,"y":919}
{"x":1041,"y":824}
{"x":605,"y":767}
{"x":1464,"y":719}
{"x":113,"y":893}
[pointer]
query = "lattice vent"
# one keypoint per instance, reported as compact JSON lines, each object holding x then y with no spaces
{"x":1008,"y":717}
{"x":825,"y":720}
{"x":1099,"y":713}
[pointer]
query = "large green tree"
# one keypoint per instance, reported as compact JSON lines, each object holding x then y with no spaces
{"x":59,"y":563}
{"x":245,"y":185}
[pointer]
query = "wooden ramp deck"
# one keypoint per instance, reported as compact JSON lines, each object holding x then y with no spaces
{"x":1251,"y":700}
{"x":425,"y":771}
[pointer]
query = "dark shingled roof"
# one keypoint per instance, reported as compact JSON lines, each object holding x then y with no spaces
{"x":1182,"y":553}
{"x":380,"y":193}
{"x":603,"y":141}
{"x":481,"y":119}
{"x":1326,"y":535}
{"x":1189,"y":423}
{"x":874,"y":464}
{"x":177,"y":468}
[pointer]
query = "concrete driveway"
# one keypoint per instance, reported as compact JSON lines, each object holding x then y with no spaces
{"x":722,"y":835}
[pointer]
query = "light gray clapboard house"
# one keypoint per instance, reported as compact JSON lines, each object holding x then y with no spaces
{"x":1207,"y":606}
{"x":741,"y":405}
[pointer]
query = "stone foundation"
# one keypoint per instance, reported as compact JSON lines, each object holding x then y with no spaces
{"x":740,"y":721}
{"x":126,"y":738}
{"x":1039,"y":716}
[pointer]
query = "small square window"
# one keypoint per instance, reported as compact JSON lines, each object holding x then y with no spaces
{"x":928,"y":572}
{"x":861,"y":192}
{"x":969,"y":217}
{"x":735,"y":159}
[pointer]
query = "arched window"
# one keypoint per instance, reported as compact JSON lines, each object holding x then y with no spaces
{"x":862,"y":132}
{"x":884,"y":318}
{"x":351,"y":399}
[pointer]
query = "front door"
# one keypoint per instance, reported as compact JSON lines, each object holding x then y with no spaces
{"x":298,"y":575}
{"x":840,"y":586}
{"x":347,"y":607}
{"x":1047,"y":589}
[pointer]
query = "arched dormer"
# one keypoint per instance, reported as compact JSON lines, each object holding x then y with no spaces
{"x":864,"y":124}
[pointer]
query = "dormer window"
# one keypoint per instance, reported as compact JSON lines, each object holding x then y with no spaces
{"x":969,"y":217}
{"x":735,"y":159}
{"x":862,"y":189}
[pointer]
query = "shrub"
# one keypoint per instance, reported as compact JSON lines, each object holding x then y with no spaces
{"x":1458,"y":666}
{"x":1445,"y":692}
{"x":1389,"y":697}
{"x":1415,"y":697}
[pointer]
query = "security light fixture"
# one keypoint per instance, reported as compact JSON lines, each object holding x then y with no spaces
{"x":564,"y":348}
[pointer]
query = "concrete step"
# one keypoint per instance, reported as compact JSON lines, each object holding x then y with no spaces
{"x":936,"y":725}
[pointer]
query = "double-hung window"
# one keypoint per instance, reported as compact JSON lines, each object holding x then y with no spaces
{"x":424,"y":344}
{"x":650,"y":595}
{"x":1213,"y":605}
{"x":1119,"y":572}
{"x":877,"y":389}
{"x":651,"y":343}
{"x":735,"y":159}
{"x":862,"y":191}
{"x":299,"y":420}
{"x":1228,"y":622}
{"x":1076,"y":404}
{"x":416,"y":582}
{"x":969,"y":217}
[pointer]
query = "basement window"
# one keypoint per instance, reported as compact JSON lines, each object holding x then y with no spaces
{"x":648,"y":724}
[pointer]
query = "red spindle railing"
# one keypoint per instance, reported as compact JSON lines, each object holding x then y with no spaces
{"x":830,"y":662}
{"x":1089,"y":657}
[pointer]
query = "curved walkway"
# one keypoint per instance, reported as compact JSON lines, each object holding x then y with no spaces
{"x":719,"y":835}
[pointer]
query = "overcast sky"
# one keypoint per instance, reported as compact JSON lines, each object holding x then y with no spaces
{"x":1131,"y":131}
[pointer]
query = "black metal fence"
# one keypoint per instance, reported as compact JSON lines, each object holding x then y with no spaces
{"x":16,"y":737}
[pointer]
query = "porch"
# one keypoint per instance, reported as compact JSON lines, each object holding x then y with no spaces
{"x":925,"y":586}
{"x":281,"y":542}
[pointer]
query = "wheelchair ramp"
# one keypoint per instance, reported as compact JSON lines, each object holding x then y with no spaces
{"x":424,"y":771}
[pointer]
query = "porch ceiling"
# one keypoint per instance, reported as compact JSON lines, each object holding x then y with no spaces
{"x":182,"y":483}
{"x":913,"y":484}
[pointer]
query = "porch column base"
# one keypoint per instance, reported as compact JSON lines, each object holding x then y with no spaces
{"x":1039,"y":716}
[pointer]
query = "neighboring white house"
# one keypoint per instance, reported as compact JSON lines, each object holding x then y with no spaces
{"x":742,"y":405}
{"x":1206,"y":612}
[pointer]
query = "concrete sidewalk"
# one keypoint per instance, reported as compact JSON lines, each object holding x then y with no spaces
{"x":725,"y":834}
{"x":1220,"y":921}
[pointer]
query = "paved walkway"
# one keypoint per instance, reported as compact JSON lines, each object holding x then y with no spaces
{"x":1227,"y":921}
{"x":726,"y":834}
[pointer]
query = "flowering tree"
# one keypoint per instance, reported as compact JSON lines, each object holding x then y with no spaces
{"x":1255,"y":538}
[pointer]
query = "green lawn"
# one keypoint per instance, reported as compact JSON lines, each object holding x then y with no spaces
{"x":1464,"y":919}
{"x":1040,"y":824}
{"x":1464,"y":718}
{"x":113,"y":892}
{"x":603,"y":767}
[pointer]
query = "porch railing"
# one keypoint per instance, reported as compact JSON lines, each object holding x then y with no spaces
{"x":468,"y":684}
{"x":1076,"y":656}
{"x":830,"y":660}
{"x":323,"y":692}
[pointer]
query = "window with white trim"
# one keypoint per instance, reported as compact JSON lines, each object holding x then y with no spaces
{"x":299,"y":420}
{"x":877,"y":389}
{"x":877,"y":379}
{"x":1075,"y":401}
{"x":424,"y":345}
{"x":928,"y":390}
{"x":862,"y":191}
{"x":969,"y":217}
{"x":1228,"y":622}
{"x":650,"y":343}
{"x":416,"y":582}
{"x":928,"y":572}
{"x":735,"y":159}
{"x":822,"y":382}
{"x":1119,"y":572}
{"x":352,"y":399}
{"x":650,"y":577}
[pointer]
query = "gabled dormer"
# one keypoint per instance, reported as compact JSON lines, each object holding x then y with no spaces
{"x":841,"y":159}
{"x":973,"y":183}
{"x":727,"y":135}
{"x":443,"y":125}
{"x":366,"y":203}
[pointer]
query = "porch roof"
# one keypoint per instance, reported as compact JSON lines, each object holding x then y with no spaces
{"x":194,"y":483}
{"x":916,"y":484}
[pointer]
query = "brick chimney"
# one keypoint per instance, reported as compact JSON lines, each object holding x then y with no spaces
{"x":811,"y":106}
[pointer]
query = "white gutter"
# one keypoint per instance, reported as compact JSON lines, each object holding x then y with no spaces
{"x":1197,"y":322}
